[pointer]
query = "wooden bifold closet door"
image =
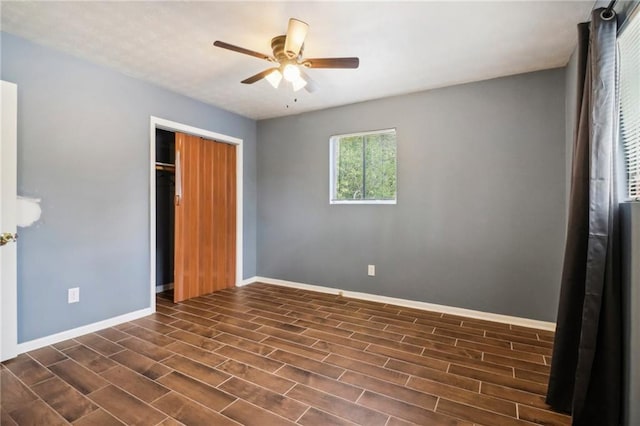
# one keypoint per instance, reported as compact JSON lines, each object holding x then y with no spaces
{"x":205,"y":219}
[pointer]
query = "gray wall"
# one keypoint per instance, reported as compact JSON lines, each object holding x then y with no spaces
{"x":83,"y":148}
{"x":481,"y":198}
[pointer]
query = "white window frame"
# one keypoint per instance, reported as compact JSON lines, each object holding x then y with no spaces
{"x":629,"y":100}
{"x":333,"y":170}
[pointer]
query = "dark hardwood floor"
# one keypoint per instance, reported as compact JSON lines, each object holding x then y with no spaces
{"x":268,"y":355}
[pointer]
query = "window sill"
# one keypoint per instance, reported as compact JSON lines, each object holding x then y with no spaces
{"x":363,"y":202}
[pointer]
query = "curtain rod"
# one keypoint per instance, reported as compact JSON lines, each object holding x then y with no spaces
{"x":609,"y":12}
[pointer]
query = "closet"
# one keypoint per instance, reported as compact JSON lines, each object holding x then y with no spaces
{"x":195,"y":214}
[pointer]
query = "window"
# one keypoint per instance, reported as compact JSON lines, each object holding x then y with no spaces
{"x":629,"y":46}
{"x":363,"y":168}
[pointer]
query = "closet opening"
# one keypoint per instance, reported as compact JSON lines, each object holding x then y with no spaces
{"x":165,"y":208}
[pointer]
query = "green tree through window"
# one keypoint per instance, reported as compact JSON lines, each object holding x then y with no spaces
{"x":364,"y":166}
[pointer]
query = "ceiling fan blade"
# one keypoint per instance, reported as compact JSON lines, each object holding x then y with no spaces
{"x":296,"y":33}
{"x":258,"y":76}
{"x":311,"y":86}
{"x":331,"y":63}
{"x":228,"y":46}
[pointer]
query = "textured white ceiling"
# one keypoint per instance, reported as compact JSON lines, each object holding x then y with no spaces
{"x":403,"y":46}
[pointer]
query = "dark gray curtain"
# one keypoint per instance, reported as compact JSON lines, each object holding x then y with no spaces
{"x":585,"y":377}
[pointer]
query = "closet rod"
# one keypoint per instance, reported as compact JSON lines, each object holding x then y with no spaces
{"x":165,"y":167}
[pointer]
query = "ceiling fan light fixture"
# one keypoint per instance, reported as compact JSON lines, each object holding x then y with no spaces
{"x":288,"y":61}
{"x":274,"y":78}
{"x":298,"y":83}
{"x":291,"y":72}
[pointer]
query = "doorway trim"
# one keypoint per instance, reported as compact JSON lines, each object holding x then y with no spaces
{"x":172,"y":126}
{"x":9,"y":253}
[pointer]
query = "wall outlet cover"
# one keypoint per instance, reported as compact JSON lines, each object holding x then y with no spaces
{"x":73,"y":295}
{"x":371,"y":270}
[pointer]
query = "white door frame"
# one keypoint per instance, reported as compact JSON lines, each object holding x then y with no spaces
{"x":8,"y":192}
{"x":160,"y":123}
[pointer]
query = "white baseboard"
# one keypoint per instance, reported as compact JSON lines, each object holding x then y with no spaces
{"x":96,"y":326}
{"x":524,"y":322}
{"x":79,"y":331}
{"x":247,"y":282}
{"x":164,"y":287}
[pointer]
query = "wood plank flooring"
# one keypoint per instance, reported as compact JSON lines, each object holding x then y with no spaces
{"x":268,"y":355}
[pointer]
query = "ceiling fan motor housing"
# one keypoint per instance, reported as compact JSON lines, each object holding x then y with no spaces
{"x":277,"y":46}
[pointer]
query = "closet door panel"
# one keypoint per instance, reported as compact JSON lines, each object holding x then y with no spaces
{"x":231,"y":214}
{"x":178,"y":232}
{"x":217,"y":215}
{"x":207,"y":233}
{"x":205,"y":217}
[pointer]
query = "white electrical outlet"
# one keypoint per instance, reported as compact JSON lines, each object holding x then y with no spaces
{"x":371,"y":270}
{"x":74,"y":295}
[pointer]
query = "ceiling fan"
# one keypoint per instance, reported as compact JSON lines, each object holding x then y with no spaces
{"x":288,"y":60}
